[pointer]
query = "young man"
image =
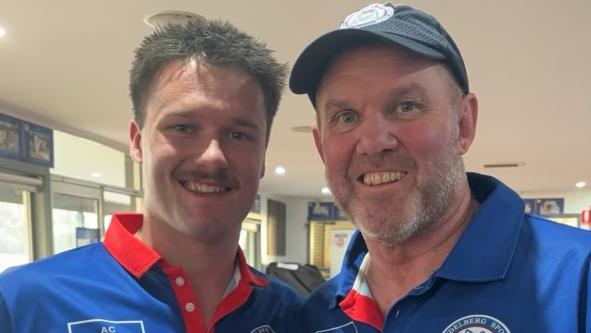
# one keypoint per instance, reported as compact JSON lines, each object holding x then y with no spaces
{"x":204,"y":97}
{"x":438,"y":250}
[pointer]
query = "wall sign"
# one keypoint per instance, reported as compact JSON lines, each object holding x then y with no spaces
{"x":544,"y":206}
{"x":24,"y":141}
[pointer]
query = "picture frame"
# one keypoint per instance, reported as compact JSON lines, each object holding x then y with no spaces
{"x":11,"y":137}
{"x":38,"y":144}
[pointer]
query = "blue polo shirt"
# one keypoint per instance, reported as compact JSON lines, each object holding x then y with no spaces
{"x":508,"y":272}
{"x":124,"y":286}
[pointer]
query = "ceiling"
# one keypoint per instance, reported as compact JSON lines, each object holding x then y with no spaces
{"x":64,"y":64}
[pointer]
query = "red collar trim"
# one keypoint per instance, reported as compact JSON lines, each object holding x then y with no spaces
{"x":135,"y":256}
{"x":246,"y":274}
{"x":240,"y":294}
{"x":362,"y":308}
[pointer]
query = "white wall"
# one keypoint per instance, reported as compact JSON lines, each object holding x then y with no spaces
{"x":77,"y":157}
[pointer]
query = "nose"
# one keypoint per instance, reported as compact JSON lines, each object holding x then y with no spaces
{"x":212,"y":157}
{"x":376,"y":136}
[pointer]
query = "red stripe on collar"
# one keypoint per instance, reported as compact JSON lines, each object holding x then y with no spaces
{"x":362,"y":308}
{"x":240,"y":294}
{"x":246,"y":274}
{"x":135,"y":256}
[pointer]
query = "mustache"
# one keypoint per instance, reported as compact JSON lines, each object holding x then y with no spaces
{"x":220,"y":176}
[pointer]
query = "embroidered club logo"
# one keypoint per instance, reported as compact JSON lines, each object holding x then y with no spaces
{"x":106,"y":326}
{"x":477,"y":324}
{"x":369,"y":15}
{"x":263,"y":329}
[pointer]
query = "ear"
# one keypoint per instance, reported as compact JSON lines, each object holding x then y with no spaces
{"x":318,"y":140}
{"x":467,"y":120}
{"x":135,"y":142}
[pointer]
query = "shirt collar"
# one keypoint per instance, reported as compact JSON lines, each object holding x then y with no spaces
{"x":485,"y":249}
{"x":131,"y":253}
{"x":352,"y":262}
{"x":137,"y":257}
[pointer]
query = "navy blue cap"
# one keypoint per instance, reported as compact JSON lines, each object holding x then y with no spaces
{"x":398,"y":24}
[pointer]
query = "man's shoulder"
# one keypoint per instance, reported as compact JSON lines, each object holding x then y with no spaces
{"x":44,"y":271}
{"x":324,"y":294}
{"x":552,"y":246}
{"x":555,"y":235}
{"x":277,"y":289}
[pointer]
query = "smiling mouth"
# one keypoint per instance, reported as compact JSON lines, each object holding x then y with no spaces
{"x":380,"y":178}
{"x":197,"y":187}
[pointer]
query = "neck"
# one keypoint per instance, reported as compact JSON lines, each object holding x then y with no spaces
{"x":208,"y":265}
{"x":396,"y":269}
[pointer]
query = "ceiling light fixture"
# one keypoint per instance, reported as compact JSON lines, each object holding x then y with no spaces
{"x":325,"y":190}
{"x":302,"y":129}
{"x":170,"y":17}
{"x":96,"y":174}
{"x":2,"y":32}
{"x":580,"y":184}
{"x":504,"y":165}
{"x":279,"y":170}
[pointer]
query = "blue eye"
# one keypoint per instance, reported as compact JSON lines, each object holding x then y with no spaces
{"x":407,"y":107}
{"x":347,"y":117}
{"x":237,"y":135}
{"x":183,"y":128}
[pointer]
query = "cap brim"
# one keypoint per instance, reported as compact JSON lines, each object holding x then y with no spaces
{"x":309,"y":68}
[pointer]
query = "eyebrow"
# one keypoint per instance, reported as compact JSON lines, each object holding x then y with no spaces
{"x":407,"y":89}
{"x":394,"y":95}
{"x":336,"y":104}
{"x":189,"y":114}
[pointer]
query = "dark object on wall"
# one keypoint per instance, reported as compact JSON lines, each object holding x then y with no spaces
{"x":275,"y":228}
{"x":38,"y":144}
{"x":544,"y":206}
{"x":11,"y":137}
{"x":303,"y":278}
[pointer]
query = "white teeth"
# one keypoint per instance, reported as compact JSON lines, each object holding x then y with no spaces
{"x":202,"y":188}
{"x":377,"y":178}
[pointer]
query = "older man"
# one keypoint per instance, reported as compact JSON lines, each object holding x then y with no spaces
{"x":438,"y":250}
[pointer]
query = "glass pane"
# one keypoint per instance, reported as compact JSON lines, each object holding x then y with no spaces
{"x":247,"y":242}
{"x":14,"y":228}
{"x":114,"y":203}
{"x":71,"y":216}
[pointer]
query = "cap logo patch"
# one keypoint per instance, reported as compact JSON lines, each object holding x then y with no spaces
{"x":477,"y":323}
{"x":369,"y":15}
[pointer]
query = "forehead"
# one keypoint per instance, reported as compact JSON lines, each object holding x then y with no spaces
{"x":197,"y":72}
{"x":372,"y":65}
{"x":194,"y":85}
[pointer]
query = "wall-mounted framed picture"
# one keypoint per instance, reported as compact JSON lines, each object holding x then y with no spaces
{"x":38,"y":144}
{"x":11,"y":137}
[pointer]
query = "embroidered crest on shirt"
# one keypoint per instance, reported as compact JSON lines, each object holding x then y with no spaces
{"x":106,"y":326}
{"x":477,"y":324}
{"x":346,"y":328}
{"x":263,"y":329}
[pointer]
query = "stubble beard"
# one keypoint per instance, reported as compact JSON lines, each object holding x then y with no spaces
{"x":391,"y":225}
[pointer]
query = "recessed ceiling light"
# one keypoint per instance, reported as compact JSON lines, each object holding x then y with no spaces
{"x":581,"y":184}
{"x":279,"y":170}
{"x":96,"y":174}
{"x":325,"y":190}
{"x":2,"y":32}
{"x":170,"y":17}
